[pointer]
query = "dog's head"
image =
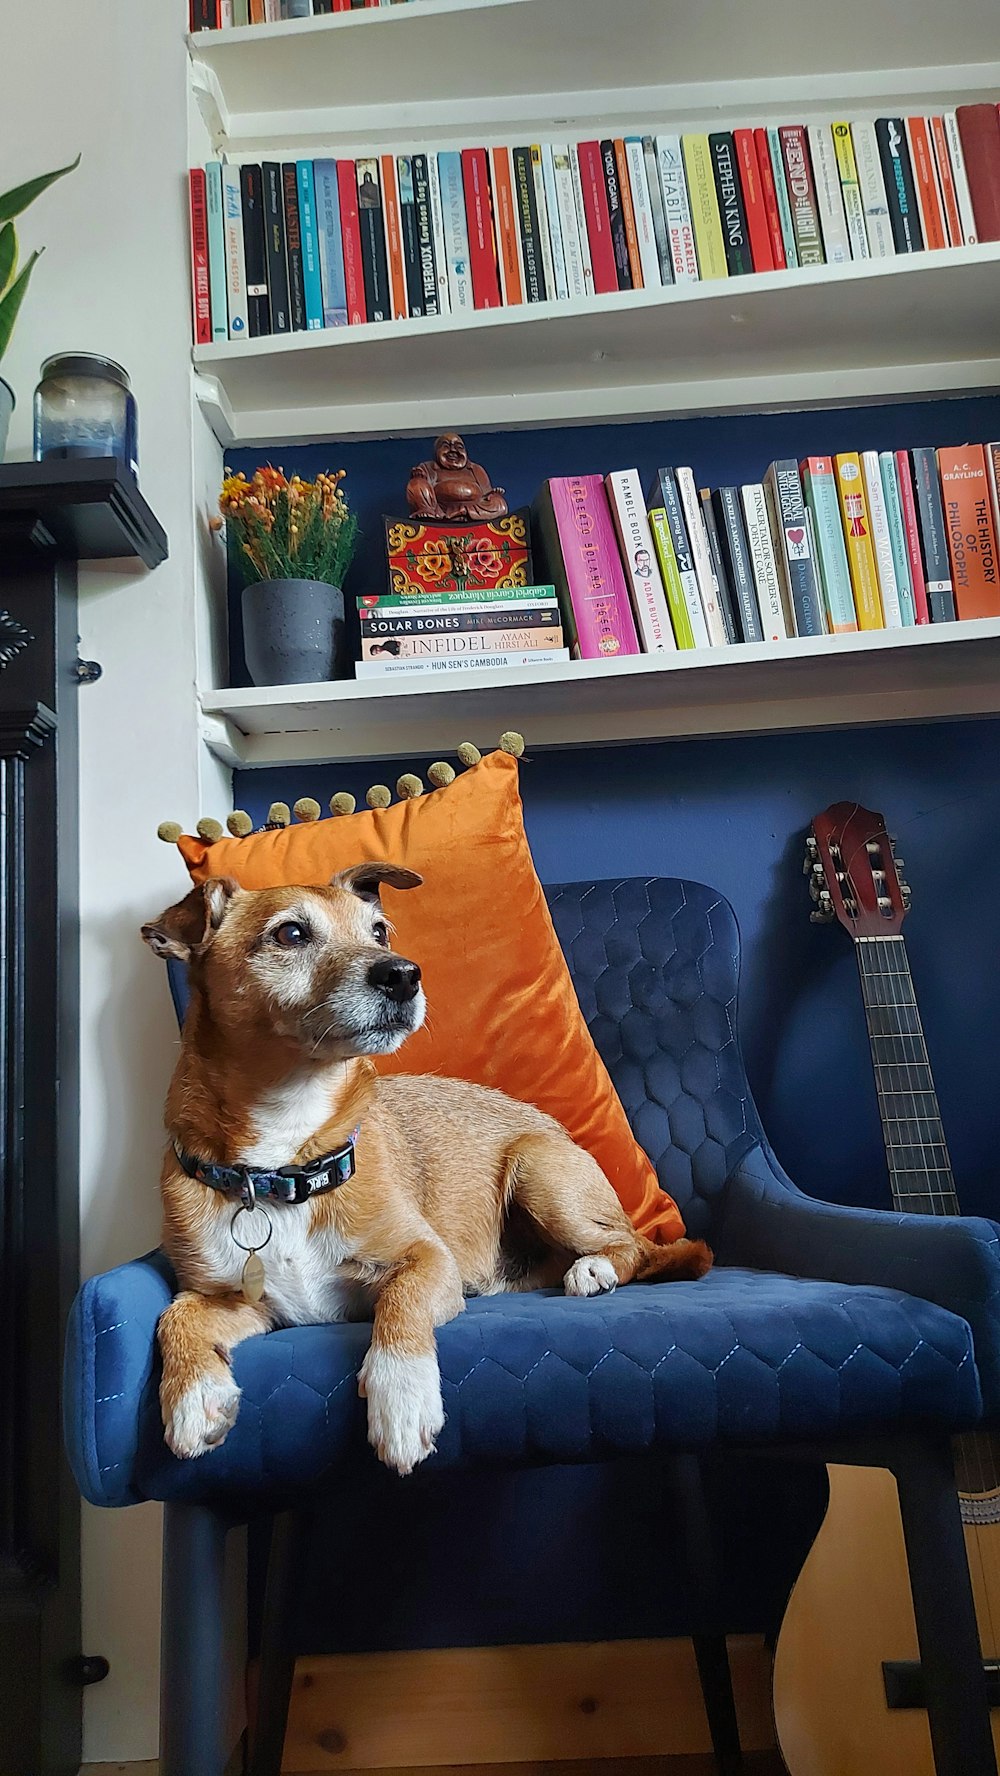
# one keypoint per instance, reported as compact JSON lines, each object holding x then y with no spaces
{"x":314,"y":964}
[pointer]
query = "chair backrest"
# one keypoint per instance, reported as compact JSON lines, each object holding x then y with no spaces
{"x":655,"y":964}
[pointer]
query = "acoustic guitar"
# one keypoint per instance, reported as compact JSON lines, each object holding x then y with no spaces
{"x":847,"y":1698}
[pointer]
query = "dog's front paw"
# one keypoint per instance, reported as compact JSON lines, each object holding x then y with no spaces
{"x":590,"y":1276}
{"x":405,"y":1411}
{"x":200,"y":1417}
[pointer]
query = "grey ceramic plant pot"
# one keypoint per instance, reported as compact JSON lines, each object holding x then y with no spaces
{"x":6,"y":409}
{"x":293,"y":632}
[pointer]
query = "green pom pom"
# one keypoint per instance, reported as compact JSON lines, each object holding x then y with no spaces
{"x":169,"y":831}
{"x":379,"y":796}
{"x":306,"y":809}
{"x":468,"y":755}
{"x":209,"y":830}
{"x":409,"y":786}
{"x":239,"y":823}
{"x":440,"y":773}
{"x":342,"y":803}
{"x":512,"y":743}
{"x":278,"y":814}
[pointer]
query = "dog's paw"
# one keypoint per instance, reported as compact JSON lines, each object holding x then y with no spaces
{"x":405,"y":1411}
{"x":590,"y":1276}
{"x":201,"y":1417}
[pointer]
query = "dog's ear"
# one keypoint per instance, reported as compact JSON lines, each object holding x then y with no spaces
{"x":193,"y":922}
{"x":365,"y":879}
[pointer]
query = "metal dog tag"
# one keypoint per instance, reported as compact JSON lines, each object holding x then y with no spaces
{"x":252,"y":1280}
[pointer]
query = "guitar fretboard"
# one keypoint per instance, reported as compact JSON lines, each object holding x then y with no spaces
{"x":920,"y":1174}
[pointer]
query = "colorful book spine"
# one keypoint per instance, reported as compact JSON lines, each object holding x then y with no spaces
{"x":581,"y":220}
{"x":562,"y":175}
{"x":770,"y":196}
{"x":819,"y":488}
{"x":326,"y":184}
{"x":649,"y":603}
{"x":527,"y":218}
{"x":925,"y":183}
{"x":901,"y":195}
{"x":311,"y":281}
{"x":508,"y":237}
{"x":393,"y":237}
{"x":642,"y":209}
{"x":555,"y":223}
{"x":482,"y":258}
{"x":659,"y":213}
{"x":670,"y":575}
{"x":371,"y":226}
{"x":708,"y":237}
{"x":979,"y":129}
{"x":598,"y":218}
{"x":758,"y":229}
{"x":456,"y":635}
{"x":972,"y":543}
{"x":274,"y":245}
{"x":720,"y":573}
{"x":216,"y":250}
{"x":236,"y":291}
{"x":878,"y":523}
{"x":616,"y":216}
{"x":579,"y":538}
{"x":956,"y":156}
{"x":350,"y":235}
{"x":412,"y":273}
{"x":729,"y":197}
{"x":829,"y":195}
{"x":792,"y":540}
{"x":628,"y":213}
{"x":665,"y":495}
{"x":946,"y":182}
{"x":857,"y":540}
{"x":425,"y":235}
{"x":933,"y":535}
{"x":293,"y":246}
{"x":801,"y":194}
{"x":737,"y":562}
{"x":993,"y":475}
{"x":677,"y":210}
{"x":776,"y":155}
{"x":897,"y":538}
{"x":463,"y":663}
{"x":477,"y":598}
{"x":850,"y":191}
{"x":201,"y":293}
{"x":767,"y":581}
{"x":437,"y":235}
{"x":542,"y":211}
{"x":867,"y":159}
{"x":694,"y":524}
{"x":254,"y":252}
{"x":456,"y":234}
{"x":911,"y":526}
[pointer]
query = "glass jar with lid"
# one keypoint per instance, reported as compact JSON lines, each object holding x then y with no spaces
{"x":84,"y":406}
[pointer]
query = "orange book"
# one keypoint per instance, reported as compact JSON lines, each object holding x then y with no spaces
{"x":393,"y":237}
{"x":505,"y":223}
{"x":256,"y":12}
{"x":968,"y":519}
{"x":946,"y":182}
{"x":628,"y":213}
{"x":858,"y":540}
{"x":925,"y":180}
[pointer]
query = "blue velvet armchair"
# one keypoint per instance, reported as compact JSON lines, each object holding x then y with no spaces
{"x":834,"y":1333}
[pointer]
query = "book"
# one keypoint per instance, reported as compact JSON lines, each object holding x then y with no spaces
{"x":670,"y":575}
{"x":577,"y":537}
{"x":770,"y":197}
{"x":979,"y":131}
{"x":437,"y":235}
{"x":505,"y":218}
{"x":897,"y":538}
{"x":720,"y":573}
{"x":527,"y":219}
{"x":542,"y":211}
{"x":326,"y":184}
{"x":496,"y":632}
{"x":201,"y":297}
{"x":850,"y":191}
{"x":900,"y":191}
{"x":758,"y":230}
{"x":737,"y":563}
{"x":802,"y":194}
{"x":776,"y":155}
{"x":677,"y":210}
{"x":371,"y":228}
{"x":597,"y":217}
{"x":871,"y":183}
{"x":467,"y":663}
{"x":993,"y":476}
{"x":709,"y":242}
{"x":911,"y":527}
{"x":293,"y":246}
{"x":274,"y":246}
{"x":659,"y":213}
{"x":649,"y":603}
{"x":254,"y":252}
{"x":628,"y":213}
{"x":767,"y":582}
{"x":412,"y":270}
{"x":311,"y":281}
{"x":232,"y":212}
{"x":819,"y":490}
{"x":946,"y":182}
{"x":694,"y":524}
{"x":350,"y":236}
{"x":616,"y":216}
{"x":878,"y":523}
{"x":933,"y":535}
{"x":581,"y":220}
{"x":925,"y":183}
{"x":476,"y":598}
{"x":456,"y":235}
{"x":732,"y":211}
{"x":393,"y":237}
{"x":216,"y":250}
{"x":857,"y":540}
{"x":555,"y":223}
{"x":569,"y":223}
{"x":963,"y":195}
{"x":482,"y":257}
{"x":829,"y":195}
{"x":792,"y":546}
{"x":664,"y":495}
{"x":425,"y":235}
{"x":642,"y":209}
{"x":972,"y":543}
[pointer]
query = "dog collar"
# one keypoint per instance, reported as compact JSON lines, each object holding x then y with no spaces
{"x":289,"y":1184}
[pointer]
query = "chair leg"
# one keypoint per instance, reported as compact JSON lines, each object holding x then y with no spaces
{"x":191,"y":1627}
{"x":277,"y":1644}
{"x":705,"y":1588}
{"x":950,"y":1652}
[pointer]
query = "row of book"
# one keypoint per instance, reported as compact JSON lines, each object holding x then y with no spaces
{"x":459,"y":632}
{"x":331,"y":243}
{"x":222,"y":15}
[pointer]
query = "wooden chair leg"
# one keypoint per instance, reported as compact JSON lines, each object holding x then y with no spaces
{"x":277,"y":1643}
{"x":191,"y":1626}
{"x":701,"y":1558}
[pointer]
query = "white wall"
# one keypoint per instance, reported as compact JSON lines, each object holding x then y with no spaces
{"x":108,"y":77}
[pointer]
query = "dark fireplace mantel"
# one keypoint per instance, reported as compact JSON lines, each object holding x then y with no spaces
{"x":52,"y":515}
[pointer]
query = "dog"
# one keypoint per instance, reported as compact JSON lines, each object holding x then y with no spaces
{"x":404,"y":1194}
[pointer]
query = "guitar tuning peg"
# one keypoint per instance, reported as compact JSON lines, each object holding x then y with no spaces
{"x":893,"y":840}
{"x":900,"y":867}
{"x":821,"y":917}
{"x":814,"y":890}
{"x":872,"y":847}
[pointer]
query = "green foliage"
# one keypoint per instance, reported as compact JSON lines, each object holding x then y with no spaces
{"x":301,"y":532}
{"x":14,"y":283}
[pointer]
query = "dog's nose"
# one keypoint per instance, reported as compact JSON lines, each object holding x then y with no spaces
{"x":395,"y":978}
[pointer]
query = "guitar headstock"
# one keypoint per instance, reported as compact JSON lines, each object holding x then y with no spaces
{"x":854,"y":873}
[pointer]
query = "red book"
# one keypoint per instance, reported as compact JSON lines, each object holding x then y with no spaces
{"x":205,"y":15}
{"x":979,"y":129}
{"x":350,"y":228}
{"x":946,"y":182}
{"x":770,"y":197}
{"x":911,"y":525}
{"x":598,"y":218}
{"x":341,"y":5}
{"x":479,"y":222}
{"x":968,"y":517}
{"x":925,"y":179}
{"x":753,"y":201}
{"x":201,"y":301}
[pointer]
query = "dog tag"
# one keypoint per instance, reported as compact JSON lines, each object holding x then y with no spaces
{"x":252,"y":1280}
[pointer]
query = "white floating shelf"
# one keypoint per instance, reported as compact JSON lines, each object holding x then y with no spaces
{"x":888,"y":328}
{"x":920,"y":674}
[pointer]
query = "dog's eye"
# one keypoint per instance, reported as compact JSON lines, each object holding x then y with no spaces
{"x":290,"y":936}
{"x":380,"y":933}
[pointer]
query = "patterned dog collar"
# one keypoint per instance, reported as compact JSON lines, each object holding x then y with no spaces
{"x":289,"y":1184}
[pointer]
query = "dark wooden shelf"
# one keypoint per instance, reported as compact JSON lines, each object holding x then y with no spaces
{"x":86,"y":510}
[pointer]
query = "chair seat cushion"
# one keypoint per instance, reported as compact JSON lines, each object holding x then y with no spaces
{"x":742,"y":1356}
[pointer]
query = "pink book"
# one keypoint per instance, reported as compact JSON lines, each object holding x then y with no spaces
{"x":584,"y":562}
{"x":911,"y":526}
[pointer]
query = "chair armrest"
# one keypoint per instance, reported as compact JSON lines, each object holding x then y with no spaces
{"x":108,"y":1372}
{"x":954,"y":1261}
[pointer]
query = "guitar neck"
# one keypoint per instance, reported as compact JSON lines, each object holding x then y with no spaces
{"x":916,"y":1152}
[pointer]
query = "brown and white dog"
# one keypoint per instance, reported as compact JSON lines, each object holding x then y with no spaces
{"x":457,"y":1190}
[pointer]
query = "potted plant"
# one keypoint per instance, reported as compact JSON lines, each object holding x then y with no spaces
{"x":14,"y":278}
{"x":292,"y":542}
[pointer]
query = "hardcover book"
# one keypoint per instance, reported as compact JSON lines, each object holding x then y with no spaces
{"x":293,"y":246}
{"x":577,"y":538}
{"x":829,"y":196}
{"x":456,"y":236}
{"x":850,"y":191}
{"x":767,"y":581}
{"x":867,"y":159}
{"x":972,"y":543}
{"x":311,"y":281}
{"x":878,"y":521}
{"x":802,"y":195}
{"x":694,"y":524}
{"x":792,"y":545}
{"x":649,"y":604}
{"x":911,"y":527}
{"x":933,"y":535}
{"x":664,"y":494}
{"x":897,"y":538}
{"x":732,"y":211}
{"x":331,"y":247}
{"x":737,"y":562}
{"x":616,"y":216}
{"x":527,"y":217}
{"x":274,"y":245}
{"x":350,"y":235}
{"x":819,"y":488}
{"x":482,"y":255}
{"x":857,"y":540}
{"x":670,"y":575}
{"x":901,"y":195}
{"x":758,"y":228}
{"x":677,"y":210}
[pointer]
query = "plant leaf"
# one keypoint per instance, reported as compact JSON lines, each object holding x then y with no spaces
{"x":8,"y":255}
{"x":11,"y":303}
{"x":13,"y":202}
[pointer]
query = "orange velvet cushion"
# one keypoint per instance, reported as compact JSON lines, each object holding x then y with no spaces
{"x":501,"y":1006}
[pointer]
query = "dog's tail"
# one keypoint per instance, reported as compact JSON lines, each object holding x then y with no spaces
{"x":683,"y":1260}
